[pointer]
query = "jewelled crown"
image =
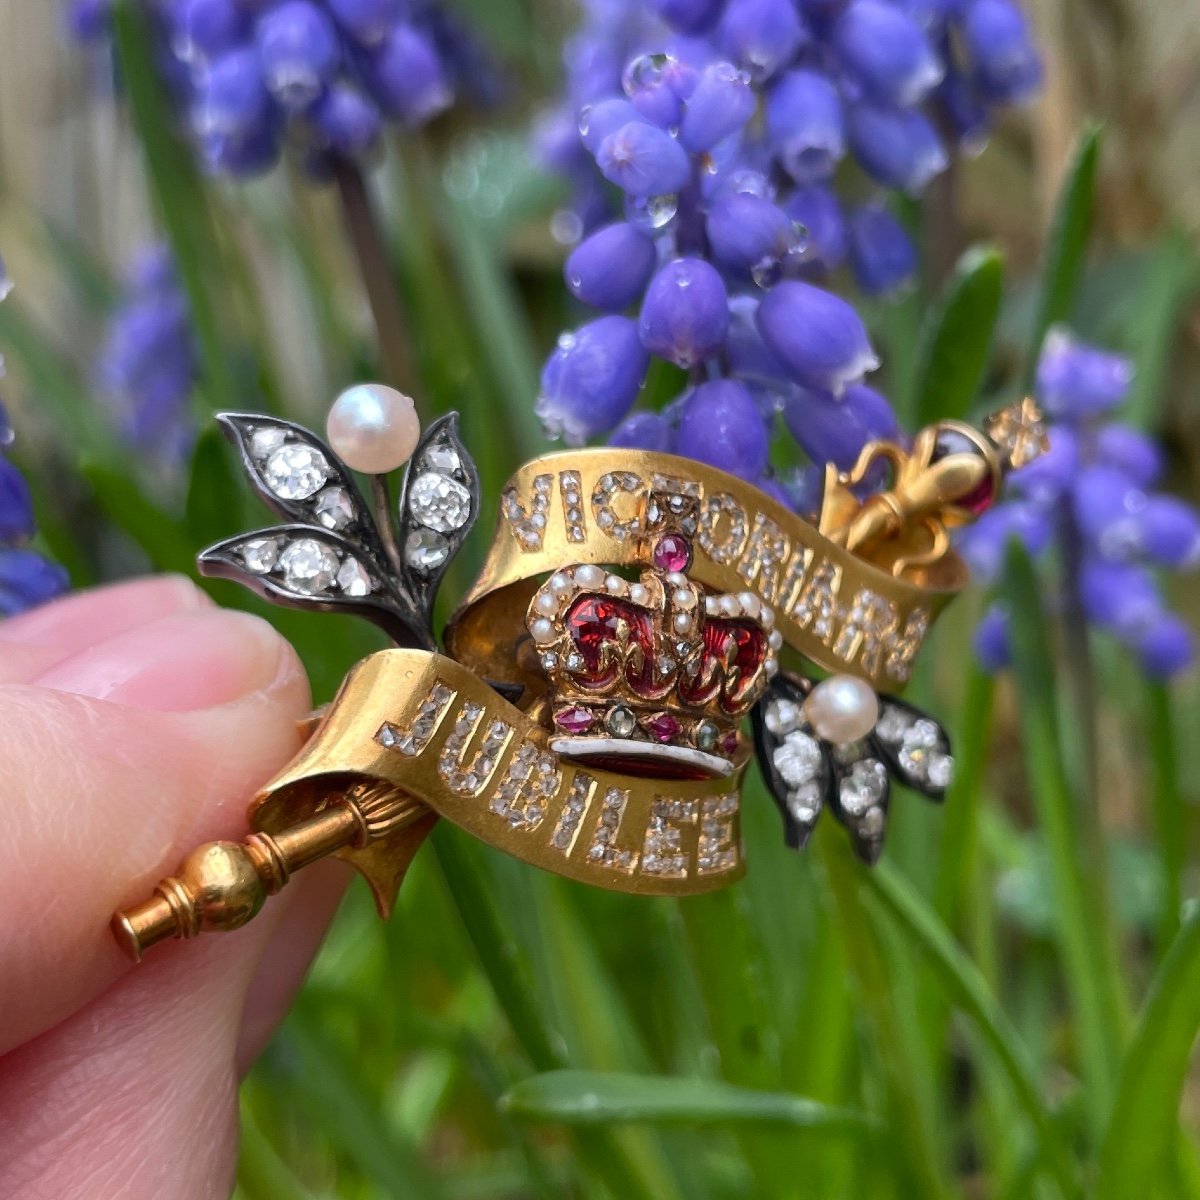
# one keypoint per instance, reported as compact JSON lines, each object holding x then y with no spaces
{"x":655,"y":676}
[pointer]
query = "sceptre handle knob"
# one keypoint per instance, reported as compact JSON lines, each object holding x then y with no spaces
{"x":223,"y":885}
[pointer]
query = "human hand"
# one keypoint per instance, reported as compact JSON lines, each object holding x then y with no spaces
{"x":135,"y":722}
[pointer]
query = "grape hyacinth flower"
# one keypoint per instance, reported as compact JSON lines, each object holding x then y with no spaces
{"x":147,"y":365}
{"x":27,"y":578}
{"x":1091,"y":499}
{"x":253,"y":76}
{"x":709,"y":144}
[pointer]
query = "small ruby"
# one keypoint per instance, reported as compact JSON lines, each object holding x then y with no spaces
{"x":663,"y":728}
{"x":980,"y":498}
{"x":729,"y":743}
{"x":672,"y":553}
{"x":573,"y":720}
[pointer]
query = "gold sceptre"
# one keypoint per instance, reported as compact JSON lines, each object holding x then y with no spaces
{"x":223,"y":885}
{"x":951,"y":474}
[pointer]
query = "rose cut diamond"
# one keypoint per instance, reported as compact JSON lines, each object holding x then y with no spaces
{"x":333,"y":508}
{"x":439,"y":502}
{"x":798,"y":760}
{"x":426,"y":550}
{"x":260,"y":555}
{"x":353,"y":579}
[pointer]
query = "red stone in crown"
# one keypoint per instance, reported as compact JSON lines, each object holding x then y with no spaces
{"x":651,"y":677}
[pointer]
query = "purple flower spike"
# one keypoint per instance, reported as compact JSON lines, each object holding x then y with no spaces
{"x":1076,"y":381}
{"x":27,"y":580}
{"x":1170,"y":532}
{"x":748,"y":233}
{"x":685,"y":315}
{"x":406,"y":77}
{"x":300,"y":52}
{"x":643,"y":160}
{"x":984,"y":544}
{"x":232,"y":101}
{"x":805,"y":125}
{"x":89,"y":20}
{"x":993,"y":640}
{"x":816,"y":335}
{"x":644,"y":431}
{"x":1127,"y":449}
{"x":1107,"y":509}
{"x":202,"y":29}
{"x":368,"y":22}
{"x":16,"y":507}
{"x":689,"y":16}
{"x":1050,"y":476}
{"x":897,"y":147}
{"x":598,"y":120}
{"x":1165,"y":647}
{"x":882,"y":253}
{"x":610,"y":269}
{"x":241,"y":156}
{"x":720,"y":105}
{"x":348,"y":121}
{"x":886,"y":53}
{"x":592,"y":379}
{"x":1119,"y":597}
{"x":835,"y":431}
{"x":826,"y":242}
{"x":721,"y":425}
{"x":761,"y":35}
{"x":1001,"y":48}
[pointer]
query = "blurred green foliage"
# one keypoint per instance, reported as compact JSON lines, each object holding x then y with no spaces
{"x":988,"y":1013}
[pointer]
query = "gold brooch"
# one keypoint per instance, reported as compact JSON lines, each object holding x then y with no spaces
{"x":586,"y":713}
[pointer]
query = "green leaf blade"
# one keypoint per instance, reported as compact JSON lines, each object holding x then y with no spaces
{"x":956,"y":338}
{"x":602,"y":1098}
{"x":1066,"y":246}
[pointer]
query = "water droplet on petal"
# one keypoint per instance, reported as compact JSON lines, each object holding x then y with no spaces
{"x":645,"y":71}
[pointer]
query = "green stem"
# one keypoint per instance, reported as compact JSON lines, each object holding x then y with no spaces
{"x":374,"y":268}
{"x":1170,"y":813}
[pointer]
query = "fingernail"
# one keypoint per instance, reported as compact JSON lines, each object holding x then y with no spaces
{"x":179,"y":663}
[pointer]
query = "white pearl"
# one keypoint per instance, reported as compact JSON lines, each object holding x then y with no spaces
{"x":775,"y":640}
{"x":683,"y":623}
{"x":589,"y":576}
{"x":750,"y":603}
{"x":373,"y":428}
{"x":547,"y":603}
{"x":615,"y":584}
{"x":542,"y":630}
{"x":639,"y":594}
{"x":560,"y":583}
{"x":684,"y":598}
{"x":729,"y":606}
{"x":842,"y":709}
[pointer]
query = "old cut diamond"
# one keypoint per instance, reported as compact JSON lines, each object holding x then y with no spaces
{"x":308,"y":567}
{"x":439,"y":502}
{"x":893,"y":723}
{"x":863,"y":787}
{"x":295,"y":471}
{"x":798,"y":760}
{"x":940,"y":772}
{"x":919,"y":743}
{"x":783,"y":716}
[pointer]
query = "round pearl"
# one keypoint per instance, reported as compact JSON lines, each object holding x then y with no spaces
{"x":373,"y":428}
{"x":842,"y":709}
